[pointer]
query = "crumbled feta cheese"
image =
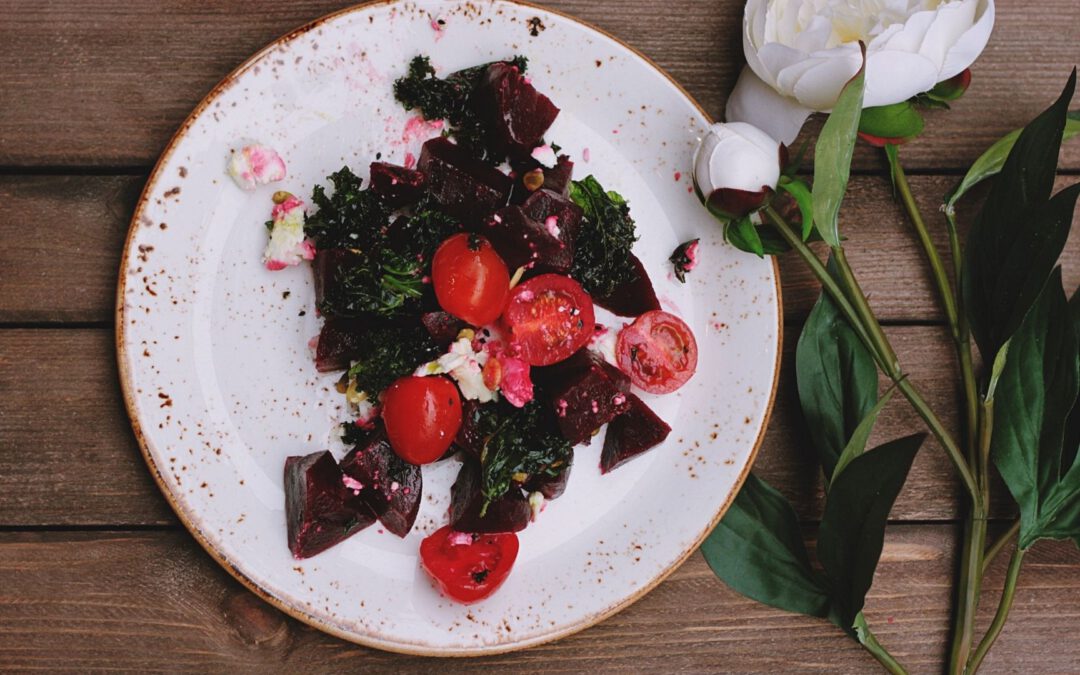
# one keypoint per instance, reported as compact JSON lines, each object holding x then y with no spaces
{"x":352,"y":484}
{"x":536,"y":504}
{"x":603,"y":341}
{"x":516,"y":383}
{"x":255,"y":165}
{"x":287,"y":245}
{"x":552,"y":225}
{"x":465,"y":366}
{"x":545,"y":155}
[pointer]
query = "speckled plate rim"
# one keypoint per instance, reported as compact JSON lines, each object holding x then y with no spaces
{"x":126,"y":384}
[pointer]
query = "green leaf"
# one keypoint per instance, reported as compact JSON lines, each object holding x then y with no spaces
{"x":892,"y":154}
{"x":837,"y":380}
{"x":758,"y":550}
{"x":1035,"y":394}
{"x":832,"y":156}
{"x":744,"y":236}
{"x":990,"y":162}
{"x":856,"y":445}
{"x":853,"y":526}
{"x":800,"y":192}
{"x":899,"y":120}
{"x":1020,"y":232}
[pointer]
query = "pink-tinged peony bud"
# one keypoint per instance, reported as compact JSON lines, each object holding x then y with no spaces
{"x":736,"y":168}
{"x":255,"y":165}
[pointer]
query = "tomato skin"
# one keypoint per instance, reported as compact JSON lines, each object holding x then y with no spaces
{"x":658,"y":351}
{"x":422,"y":416}
{"x":550,"y":317}
{"x":471,"y":280}
{"x":468,"y":567}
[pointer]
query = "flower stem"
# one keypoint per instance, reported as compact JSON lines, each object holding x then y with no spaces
{"x":870,"y":644}
{"x":855,"y":308}
{"x":1007,"y":595}
{"x":999,"y":544}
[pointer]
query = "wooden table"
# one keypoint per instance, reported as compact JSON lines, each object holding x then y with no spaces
{"x":96,"y":572}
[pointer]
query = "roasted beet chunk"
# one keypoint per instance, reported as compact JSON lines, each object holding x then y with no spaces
{"x":442,"y":326}
{"x":509,"y":513}
{"x":319,"y":511}
{"x":340,"y":341}
{"x":389,"y":485}
{"x":632,"y":433}
{"x":557,"y":178}
{"x":586,"y":392}
{"x":464,"y":186}
{"x":544,"y":205}
{"x":470,"y":437}
{"x":551,"y":486}
{"x":519,"y":114}
{"x":633,"y":298}
{"x":396,"y":185}
{"x":326,"y":266}
{"x":523,"y":242}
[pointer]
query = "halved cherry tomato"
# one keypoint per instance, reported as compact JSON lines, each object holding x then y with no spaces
{"x":471,"y":280}
{"x":468,"y":567}
{"x":657,"y":351}
{"x":550,"y":317}
{"x":422,"y":415}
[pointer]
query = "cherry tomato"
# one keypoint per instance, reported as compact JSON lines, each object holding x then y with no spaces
{"x":422,"y":415}
{"x":471,"y":280}
{"x":468,"y":567}
{"x":657,"y":351}
{"x":550,"y":317}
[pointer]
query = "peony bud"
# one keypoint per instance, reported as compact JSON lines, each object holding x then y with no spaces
{"x":736,"y":168}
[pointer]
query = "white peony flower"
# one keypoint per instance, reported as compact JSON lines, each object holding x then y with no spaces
{"x":736,"y":168}
{"x":800,"y":53}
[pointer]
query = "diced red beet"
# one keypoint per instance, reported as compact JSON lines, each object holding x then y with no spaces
{"x":319,"y":511}
{"x":509,"y":513}
{"x":557,"y":178}
{"x":551,"y":486}
{"x":389,"y":485}
{"x":586,"y":393}
{"x":469,"y":438}
{"x":634,"y":298}
{"x":632,"y":433}
{"x":520,"y":115}
{"x":522,"y":242}
{"x":339,"y":344}
{"x":544,"y":204}
{"x":442,"y":326}
{"x":325,"y":267}
{"x":397,"y":185}
{"x":463,"y":185}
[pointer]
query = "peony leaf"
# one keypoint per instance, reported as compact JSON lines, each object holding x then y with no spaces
{"x":832,"y":156}
{"x":990,"y":162}
{"x":1035,"y":394}
{"x":853,"y":526}
{"x":897,"y":121}
{"x":837,"y":381}
{"x":1020,"y":232}
{"x":758,"y":550}
{"x":856,"y":445}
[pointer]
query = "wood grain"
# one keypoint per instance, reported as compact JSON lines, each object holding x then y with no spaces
{"x":68,"y":457}
{"x":152,"y":601}
{"x":106,"y":83}
{"x":63,"y":248}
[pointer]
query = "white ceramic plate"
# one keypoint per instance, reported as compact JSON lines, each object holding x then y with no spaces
{"x":221,"y":386}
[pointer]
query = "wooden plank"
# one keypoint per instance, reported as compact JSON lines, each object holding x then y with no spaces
{"x":153,"y":601}
{"x":106,"y":83}
{"x":68,"y":457}
{"x":69,"y":228}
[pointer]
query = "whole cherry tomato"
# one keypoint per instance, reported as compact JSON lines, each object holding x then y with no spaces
{"x":658,"y":351}
{"x":422,"y":415}
{"x":550,"y":317}
{"x":471,"y":280}
{"x":468,"y":567}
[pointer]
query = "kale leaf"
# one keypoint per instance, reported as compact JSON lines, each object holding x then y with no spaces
{"x":523,"y":442}
{"x":351,"y":218}
{"x":391,"y":352}
{"x":602,"y":259}
{"x":450,"y":99}
{"x":379,"y":281}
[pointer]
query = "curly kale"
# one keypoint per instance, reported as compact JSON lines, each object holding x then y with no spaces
{"x":391,"y":352}
{"x":449,"y":99}
{"x":378,"y":281}
{"x":350,"y":218}
{"x":602,"y":259}
{"x":420,"y":233}
{"x":521,"y":443}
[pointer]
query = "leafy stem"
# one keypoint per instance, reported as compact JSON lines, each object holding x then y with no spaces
{"x":999,"y":544}
{"x":858,"y":313}
{"x":870,"y":644}
{"x":1004,"y":605}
